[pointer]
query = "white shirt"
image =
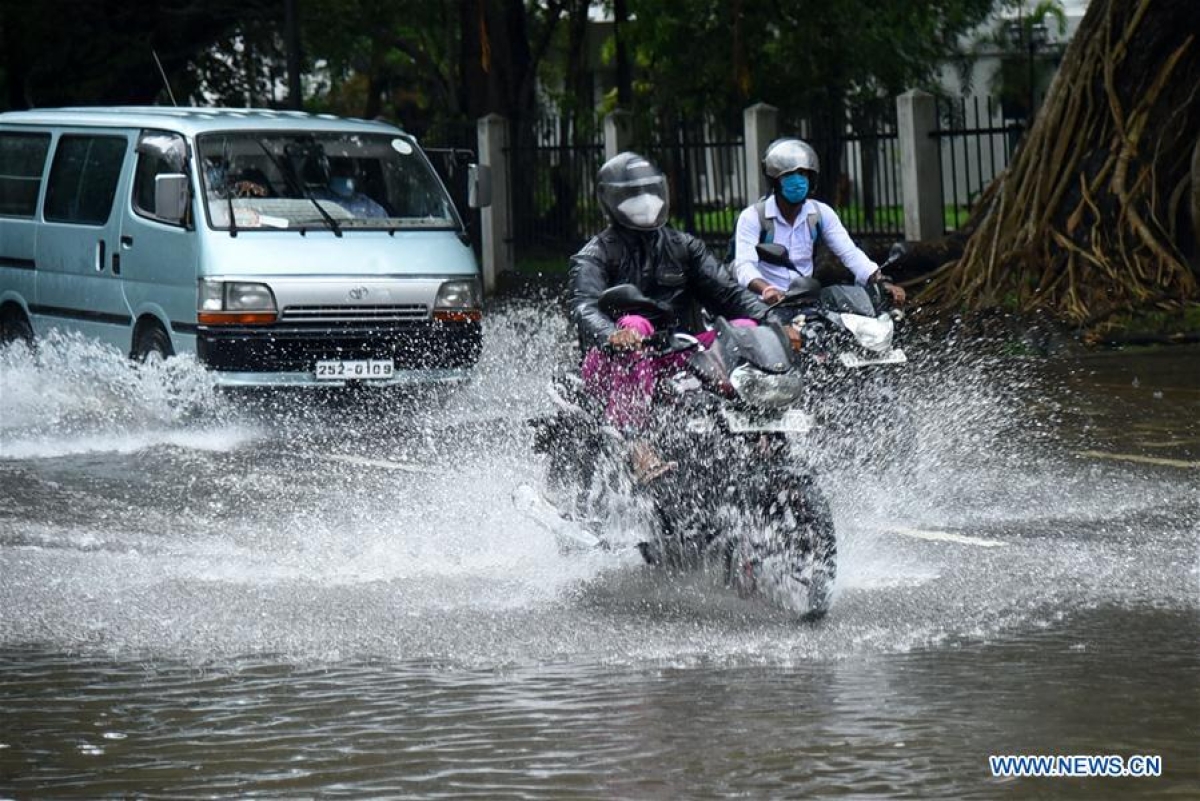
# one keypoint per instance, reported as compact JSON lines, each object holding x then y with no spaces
{"x":798,"y":240}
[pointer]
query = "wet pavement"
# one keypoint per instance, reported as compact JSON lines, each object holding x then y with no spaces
{"x":204,"y":595}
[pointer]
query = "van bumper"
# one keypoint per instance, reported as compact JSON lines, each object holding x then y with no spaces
{"x":425,"y":352}
{"x":403,"y":378}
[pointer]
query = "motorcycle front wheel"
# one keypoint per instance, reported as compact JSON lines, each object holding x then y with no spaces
{"x":791,"y":559}
{"x":817,"y":559}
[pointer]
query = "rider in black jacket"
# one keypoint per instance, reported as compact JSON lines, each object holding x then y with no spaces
{"x":668,"y":266}
{"x":638,"y":248}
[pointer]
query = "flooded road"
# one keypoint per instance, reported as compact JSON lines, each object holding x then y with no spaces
{"x":203,"y":595}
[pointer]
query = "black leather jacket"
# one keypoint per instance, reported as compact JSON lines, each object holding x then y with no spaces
{"x":668,"y":266}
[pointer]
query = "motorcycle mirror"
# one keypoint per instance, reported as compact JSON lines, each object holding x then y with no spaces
{"x":622,"y":299}
{"x":896,"y":252}
{"x":803,"y":286}
{"x":773,"y":253}
{"x":683,"y":342}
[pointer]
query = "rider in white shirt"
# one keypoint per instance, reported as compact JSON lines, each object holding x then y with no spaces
{"x":792,"y":218}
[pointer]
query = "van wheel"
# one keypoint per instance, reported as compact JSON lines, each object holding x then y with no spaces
{"x":152,"y":344}
{"x":14,"y":326}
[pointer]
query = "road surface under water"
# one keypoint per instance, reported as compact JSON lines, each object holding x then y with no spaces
{"x":280,"y":597}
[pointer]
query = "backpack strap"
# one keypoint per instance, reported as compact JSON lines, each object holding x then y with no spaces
{"x":766,"y":226}
{"x":814,"y":226}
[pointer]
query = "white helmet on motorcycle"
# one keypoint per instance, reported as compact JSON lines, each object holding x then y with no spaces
{"x":632,"y":192}
{"x":788,"y":155}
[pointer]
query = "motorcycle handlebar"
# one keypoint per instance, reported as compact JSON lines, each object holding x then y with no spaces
{"x":657,"y":346}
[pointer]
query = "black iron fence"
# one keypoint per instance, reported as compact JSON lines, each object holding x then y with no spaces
{"x":552,"y":186}
{"x":706,"y":171}
{"x":975,"y":144}
{"x":552,"y":166}
{"x":863,"y":186}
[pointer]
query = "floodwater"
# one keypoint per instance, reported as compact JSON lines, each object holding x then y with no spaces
{"x":287,"y":597}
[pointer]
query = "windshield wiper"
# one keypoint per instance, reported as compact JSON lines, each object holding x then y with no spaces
{"x":333,"y":224}
{"x":232,"y":216}
{"x":301,"y":189}
{"x":228,"y":189}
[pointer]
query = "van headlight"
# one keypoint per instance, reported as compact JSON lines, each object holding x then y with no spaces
{"x":873,"y":333}
{"x":235,"y":303}
{"x":459,"y":300}
{"x":765,"y":390}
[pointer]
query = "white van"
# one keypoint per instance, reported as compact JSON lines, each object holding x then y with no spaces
{"x":281,"y":248}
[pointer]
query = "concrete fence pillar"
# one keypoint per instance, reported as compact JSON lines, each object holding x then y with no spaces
{"x":496,"y":245}
{"x":618,"y":132}
{"x":920,"y":170}
{"x":761,"y":127}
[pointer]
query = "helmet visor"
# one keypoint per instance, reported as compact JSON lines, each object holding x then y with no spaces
{"x":640,"y":203}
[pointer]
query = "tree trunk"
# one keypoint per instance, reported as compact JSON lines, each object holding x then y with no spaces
{"x":1196,"y":197}
{"x":624,"y":71}
{"x":1088,"y":220}
{"x":291,"y":38}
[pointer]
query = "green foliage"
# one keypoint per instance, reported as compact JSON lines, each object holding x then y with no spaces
{"x":434,"y":64}
{"x":1025,"y":71}
{"x":392,"y":58}
{"x":716,"y":56}
{"x":59,"y":52}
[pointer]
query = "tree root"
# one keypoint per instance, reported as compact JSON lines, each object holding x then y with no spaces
{"x":1081,"y":237}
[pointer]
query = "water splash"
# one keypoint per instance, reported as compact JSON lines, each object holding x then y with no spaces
{"x":380,"y":523}
{"x":73,"y":395}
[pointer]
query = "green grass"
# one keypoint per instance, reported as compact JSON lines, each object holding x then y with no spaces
{"x":1185,"y":320}
{"x":718,"y":220}
{"x":543,"y":263}
{"x":723,"y":221}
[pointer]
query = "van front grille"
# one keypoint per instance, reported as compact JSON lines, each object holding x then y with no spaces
{"x":324,"y":315}
{"x":297,"y":348}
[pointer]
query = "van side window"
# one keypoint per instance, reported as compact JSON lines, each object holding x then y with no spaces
{"x":159,"y":153}
{"x":22,"y":162}
{"x":83,"y":179}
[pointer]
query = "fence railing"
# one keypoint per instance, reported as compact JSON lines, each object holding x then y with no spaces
{"x":552,"y":191}
{"x":706,"y":172}
{"x":912,"y":178}
{"x":975,"y":144}
{"x":864,"y":188}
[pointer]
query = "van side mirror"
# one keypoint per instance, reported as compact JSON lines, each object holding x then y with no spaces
{"x":479,"y":185}
{"x":171,"y":196}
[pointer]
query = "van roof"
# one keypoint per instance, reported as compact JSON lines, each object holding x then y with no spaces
{"x":192,"y":120}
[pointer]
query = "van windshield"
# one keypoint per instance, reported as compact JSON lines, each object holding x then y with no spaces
{"x":306,"y":180}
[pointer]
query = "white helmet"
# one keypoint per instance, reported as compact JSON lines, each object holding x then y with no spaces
{"x":788,"y":155}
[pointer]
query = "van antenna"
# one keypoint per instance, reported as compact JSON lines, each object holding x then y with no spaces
{"x":163,"y":73}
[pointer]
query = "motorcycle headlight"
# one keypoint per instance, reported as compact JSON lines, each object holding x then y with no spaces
{"x":873,"y":333}
{"x":766,"y":390}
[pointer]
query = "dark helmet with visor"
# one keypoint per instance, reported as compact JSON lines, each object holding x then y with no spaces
{"x":788,"y":155}
{"x":633,"y":192}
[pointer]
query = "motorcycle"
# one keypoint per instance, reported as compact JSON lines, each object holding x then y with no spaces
{"x":741,"y":501}
{"x":851,"y":363}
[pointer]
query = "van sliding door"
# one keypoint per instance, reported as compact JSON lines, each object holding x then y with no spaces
{"x":78,"y":256}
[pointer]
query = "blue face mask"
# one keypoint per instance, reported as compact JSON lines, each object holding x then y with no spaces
{"x":795,"y":187}
{"x":343,"y":187}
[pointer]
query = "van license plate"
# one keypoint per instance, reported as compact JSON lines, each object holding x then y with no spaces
{"x":357,"y":370}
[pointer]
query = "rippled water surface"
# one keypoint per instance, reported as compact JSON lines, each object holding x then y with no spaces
{"x":288,"y":596}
